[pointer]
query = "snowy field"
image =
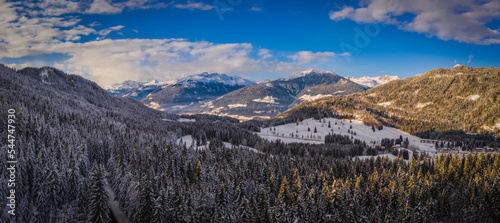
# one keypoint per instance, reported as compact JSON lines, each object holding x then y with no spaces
{"x":299,"y":133}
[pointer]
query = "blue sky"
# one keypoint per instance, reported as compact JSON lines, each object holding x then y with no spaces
{"x":113,"y":41}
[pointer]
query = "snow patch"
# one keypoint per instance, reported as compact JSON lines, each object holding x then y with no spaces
{"x":186,"y":120}
{"x":267,"y":99}
{"x":299,"y":74}
{"x":215,"y":78}
{"x":307,"y":97}
{"x":473,"y":97}
{"x":180,"y":106}
{"x":190,"y":143}
{"x":371,"y":82}
{"x":385,"y":104}
{"x":470,"y":97}
{"x":421,"y":105}
{"x":156,"y":106}
{"x":236,"y":106}
{"x":45,"y":73}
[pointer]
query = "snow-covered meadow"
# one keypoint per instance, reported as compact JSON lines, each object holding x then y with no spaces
{"x":304,"y":132}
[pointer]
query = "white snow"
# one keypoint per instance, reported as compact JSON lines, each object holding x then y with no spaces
{"x":236,"y":106}
{"x":215,"y":78}
{"x":473,"y":97}
{"x":186,"y":120}
{"x":156,"y":106}
{"x":133,"y":94}
{"x":180,"y":106}
{"x":385,"y":104}
{"x":389,"y":156}
{"x":298,"y":74}
{"x":209,"y":104}
{"x":188,"y":140}
{"x":307,"y":97}
{"x":470,"y":97}
{"x":421,"y":105}
{"x":151,"y":83}
{"x":363,"y":132}
{"x":267,"y":99}
{"x":44,"y":73}
{"x":371,"y":82}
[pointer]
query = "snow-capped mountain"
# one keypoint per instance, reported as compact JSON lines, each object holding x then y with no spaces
{"x":267,"y":99}
{"x":207,"y":78}
{"x":178,"y":95}
{"x":371,"y":82}
{"x":304,"y":73}
{"x":119,"y":88}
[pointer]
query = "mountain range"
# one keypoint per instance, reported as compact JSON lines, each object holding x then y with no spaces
{"x":268,"y":99}
{"x":371,"y":82}
{"x":458,"y":98}
{"x":179,"y":95}
{"x":225,"y":95}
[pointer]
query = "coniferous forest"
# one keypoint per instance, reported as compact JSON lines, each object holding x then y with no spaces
{"x":75,"y":144}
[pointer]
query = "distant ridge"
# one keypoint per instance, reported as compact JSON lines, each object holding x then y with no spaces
{"x":268,"y":99}
{"x":371,"y":82}
{"x":179,"y":95}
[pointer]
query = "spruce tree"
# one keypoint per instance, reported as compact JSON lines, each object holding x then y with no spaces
{"x":99,"y":199}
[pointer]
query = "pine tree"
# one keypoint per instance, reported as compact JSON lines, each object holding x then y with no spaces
{"x":297,"y":185}
{"x":284,"y":194}
{"x":99,"y":199}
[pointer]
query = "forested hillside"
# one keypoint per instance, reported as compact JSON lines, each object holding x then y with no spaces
{"x":73,"y":140}
{"x":458,"y":98}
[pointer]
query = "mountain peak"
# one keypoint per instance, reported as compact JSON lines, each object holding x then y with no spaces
{"x":152,"y":82}
{"x":370,"y":82}
{"x":299,"y":74}
{"x":206,"y":77}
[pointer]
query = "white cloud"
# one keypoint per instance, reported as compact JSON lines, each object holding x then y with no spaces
{"x":256,"y":9}
{"x":265,"y":53}
{"x":103,"y":7}
{"x":192,"y":6}
{"x":470,"y":58}
{"x":7,"y":12}
{"x":463,"y":21}
{"x":147,"y":4}
{"x":109,"y":61}
{"x":304,"y":57}
{"x":345,"y":13}
{"x":107,"y":31}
